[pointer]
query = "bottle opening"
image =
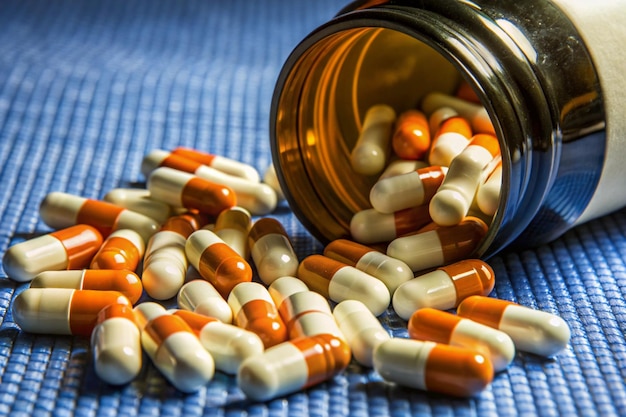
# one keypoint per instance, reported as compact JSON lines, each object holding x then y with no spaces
{"x":321,"y":114}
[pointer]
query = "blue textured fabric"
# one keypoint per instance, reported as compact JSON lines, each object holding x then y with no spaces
{"x":88,"y":88}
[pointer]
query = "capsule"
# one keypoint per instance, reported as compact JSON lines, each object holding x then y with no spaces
{"x":116,"y":345}
{"x":370,"y":226}
{"x":444,"y":288}
{"x":488,"y":194}
{"x":138,"y":200}
{"x":256,"y":197}
{"x":232,"y":226}
{"x":165,"y":264}
{"x":254,"y":310}
{"x":304,"y":312}
{"x":362,"y":330}
{"x":475,"y":113}
{"x":443,"y":327}
{"x":202,"y":298}
{"x":392,"y":272}
{"x":433,"y":367}
{"x":125,"y":282}
{"x":439,"y":246}
{"x":369,"y":155}
{"x":62,"y":311}
{"x":406,"y":190}
{"x":453,"y":199}
{"x":60,"y":210}
{"x":221,"y":163}
{"x":271,"y":250}
{"x":452,"y":135}
{"x":228,"y":345}
{"x":293,"y":365}
{"x":175,"y":350}
{"x":70,"y":248}
{"x":533,"y":331}
{"x":216,"y":261}
{"x":411,"y":136}
{"x":123,"y":249}
{"x":338,"y":281}
{"x":401,"y":166}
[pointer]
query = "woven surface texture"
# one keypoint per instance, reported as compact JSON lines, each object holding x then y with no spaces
{"x":88,"y":88}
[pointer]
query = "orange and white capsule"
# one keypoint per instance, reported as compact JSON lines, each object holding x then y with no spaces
{"x":475,"y":113}
{"x":116,"y":345}
{"x":304,"y":312}
{"x":254,"y":310}
{"x":123,"y":249}
{"x":165,"y":263}
{"x":174,"y":349}
{"x":363,"y":332}
{"x":181,"y":189}
{"x":392,"y":272}
{"x":256,"y":197}
{"x":488,"y":194}
{"x":216,"y":261}
{"x":62,"y":311}
{"x":125,"y":282}
{"x":228,"y":345}
{"x":69,"y":248}
{"x":451,"y":134}
{"x":202,"y":298}
{"x":293,"y":365}
{"x":338,"y":281}
{"x":439,"y":246}
{"x":533,"y":331}
{"x":232,"y":226}
{"x":221,"y":163}
{"x":60,"y":210}
{"x":430,"y":366}
{"x":406,"y":190}
{"x":453,"y":199}
{"x":138,"y":200}
{"x":444,"y":288}
{"x":271,"y":250}
{"x":370,"y":226}
{"x":443,"y":327}
{"x":369,"y":155}
{"x":411,"y":136}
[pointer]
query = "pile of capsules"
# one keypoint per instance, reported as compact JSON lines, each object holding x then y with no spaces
{"x":192,"y":234}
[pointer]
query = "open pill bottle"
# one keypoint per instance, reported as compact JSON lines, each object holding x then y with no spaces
{"x":548,"y":72}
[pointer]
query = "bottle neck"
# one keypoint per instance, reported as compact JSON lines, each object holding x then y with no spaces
{"x":545,"y":105}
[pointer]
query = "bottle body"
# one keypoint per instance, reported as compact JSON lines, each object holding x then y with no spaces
{"x":528,"y":64}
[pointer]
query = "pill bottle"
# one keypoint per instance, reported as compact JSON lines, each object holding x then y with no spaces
{"x":548,"y":72}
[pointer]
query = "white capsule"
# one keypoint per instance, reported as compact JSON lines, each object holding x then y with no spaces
{"x":475,"y":113}
{"x":454,"y":197}
{"x":228,"y":345}
{"x":201,"y":297}
{"x":138,"y":200}
{"x":176,"y":351}
{"x":439,"y":116}
{"x":369,"y":155}
{"x":488,"y":194}
{"x":533,"y":331}
{"x":338,"y":281}
{"x":362,"y":330}
{"x":401,"y":166}
{"x":165,"y":265}
{"x":116,"y":345}
{"x":270,"y":178}
{"x":407,"y":190}
{"x":283,"y":287}
{"x":271,"y":250}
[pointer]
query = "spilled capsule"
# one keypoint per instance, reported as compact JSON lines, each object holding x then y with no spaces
{"x":271,"y":250}
{"x":202,"y":298}
{"x":221,"y":163}
{"x":138,"y":200}
{"x":123,"y":249}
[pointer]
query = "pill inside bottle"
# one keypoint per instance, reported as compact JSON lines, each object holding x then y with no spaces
{"x":490,"y":99}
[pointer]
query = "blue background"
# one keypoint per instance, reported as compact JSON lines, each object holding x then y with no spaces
{"x":88,"y":88}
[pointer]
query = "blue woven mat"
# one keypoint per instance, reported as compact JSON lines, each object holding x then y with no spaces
{"x":87,"y":88}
